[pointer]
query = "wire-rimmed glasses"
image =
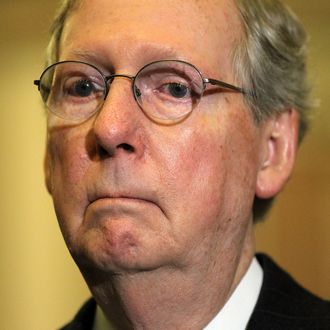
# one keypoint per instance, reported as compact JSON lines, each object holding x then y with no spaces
{"x":166,"y":91}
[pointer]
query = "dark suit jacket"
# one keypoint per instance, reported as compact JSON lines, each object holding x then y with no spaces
{"x":282,"y":305}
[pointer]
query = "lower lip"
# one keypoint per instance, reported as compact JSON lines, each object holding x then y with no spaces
{"x":117,"y":209}
{"x":118,"y":204}
{"x":119,"y":200}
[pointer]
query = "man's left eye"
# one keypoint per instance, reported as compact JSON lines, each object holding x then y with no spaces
{"x":177,"y":90}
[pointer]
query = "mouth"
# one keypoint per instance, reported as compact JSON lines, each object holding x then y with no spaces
{"x":119,"y":197}
{"x":123,"y":207}
{"x":103,"y":198}
{"x":122,"y":200}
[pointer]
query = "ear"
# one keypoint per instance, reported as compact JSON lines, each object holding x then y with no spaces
{"x":280,"y":139}
{"x":47,"y":172}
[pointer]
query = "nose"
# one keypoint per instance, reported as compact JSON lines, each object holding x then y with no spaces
{"x":119,"y":126}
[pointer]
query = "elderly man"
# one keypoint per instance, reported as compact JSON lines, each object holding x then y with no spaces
{"x":171,"y":127}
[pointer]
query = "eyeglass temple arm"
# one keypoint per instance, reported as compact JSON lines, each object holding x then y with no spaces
{"x":224,"y":85}
{"x":37,"y":83}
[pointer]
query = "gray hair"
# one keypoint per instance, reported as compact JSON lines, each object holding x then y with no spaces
{"x":269,"y":60}
{"x":53,"y":49}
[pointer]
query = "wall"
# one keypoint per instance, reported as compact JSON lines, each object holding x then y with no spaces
{"x":40,"y":286}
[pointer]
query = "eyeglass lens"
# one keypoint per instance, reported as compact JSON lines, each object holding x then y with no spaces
{"x":165,"y":90}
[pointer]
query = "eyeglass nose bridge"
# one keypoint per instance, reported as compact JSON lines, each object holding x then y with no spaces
{"x":109,"y":79}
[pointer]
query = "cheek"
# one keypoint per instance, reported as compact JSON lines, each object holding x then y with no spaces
{"x":209,"y":186}
{"x":68,"y":164}
{"x":68,"y":159}
{"x":194,"y":173}
{"x":213,"y":167}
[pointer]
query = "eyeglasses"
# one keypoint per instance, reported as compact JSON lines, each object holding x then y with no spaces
{"x":167,"y":91}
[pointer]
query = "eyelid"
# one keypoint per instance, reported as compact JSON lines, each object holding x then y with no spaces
{"x":75,"y":79}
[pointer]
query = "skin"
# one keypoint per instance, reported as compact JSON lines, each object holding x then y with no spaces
{"x":158,"y":218}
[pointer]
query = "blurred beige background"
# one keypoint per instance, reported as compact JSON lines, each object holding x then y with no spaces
{"x":39,"y":284}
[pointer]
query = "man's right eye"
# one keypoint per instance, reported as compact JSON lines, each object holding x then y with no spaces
{"x":81,"y":88}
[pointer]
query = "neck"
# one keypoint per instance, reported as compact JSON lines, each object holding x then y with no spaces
{"x":190,"y":296}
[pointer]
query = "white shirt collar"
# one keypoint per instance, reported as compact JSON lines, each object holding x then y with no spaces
{"x":238,"y":309}
{"x":234,"y":315}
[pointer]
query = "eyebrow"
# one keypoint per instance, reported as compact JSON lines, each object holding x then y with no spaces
{"x":83,"y":55}
{"x":150,"y":51}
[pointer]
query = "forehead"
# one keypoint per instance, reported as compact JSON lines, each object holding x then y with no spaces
{"x":189,"y":29}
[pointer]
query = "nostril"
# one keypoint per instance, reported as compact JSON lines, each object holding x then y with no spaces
{"x":126,"y":147}
{"x":103,"y":152}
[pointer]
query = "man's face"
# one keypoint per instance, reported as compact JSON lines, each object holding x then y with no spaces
{"x":131,"y":194}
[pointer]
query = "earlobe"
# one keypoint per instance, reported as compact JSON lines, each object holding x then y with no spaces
{"x":280,"y":141}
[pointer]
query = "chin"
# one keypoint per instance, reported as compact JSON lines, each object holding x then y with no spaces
{"x":109,"y":253}
{"x":127,"y":254}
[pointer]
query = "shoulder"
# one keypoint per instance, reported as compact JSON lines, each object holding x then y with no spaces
{"x":84,"y":319}
{"x":284,"y":304}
